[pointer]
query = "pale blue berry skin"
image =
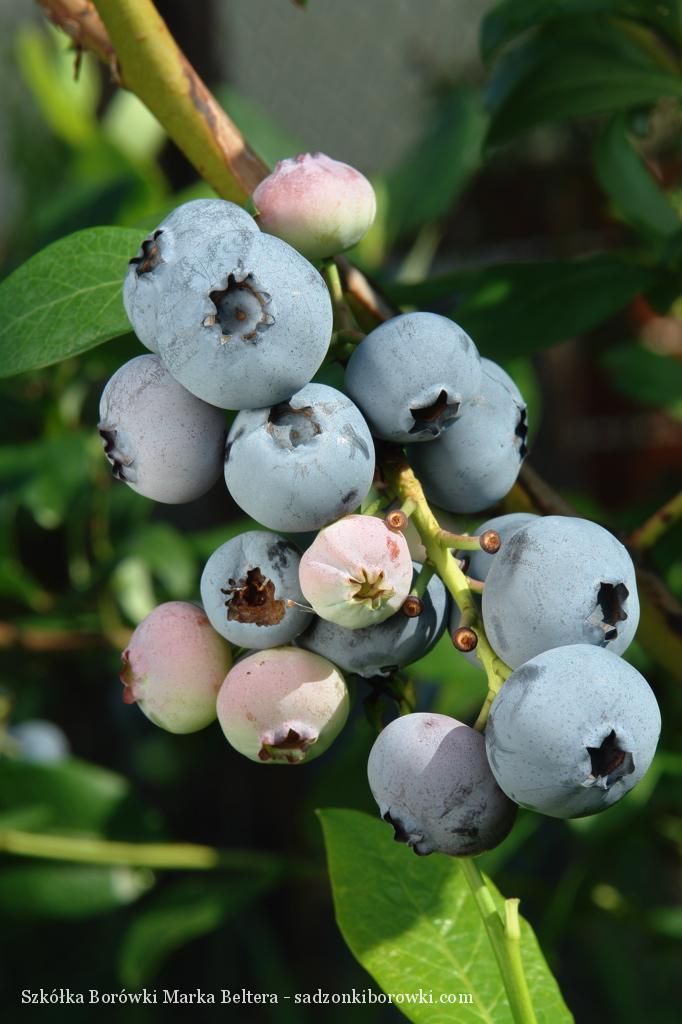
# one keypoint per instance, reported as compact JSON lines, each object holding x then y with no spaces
{"x":39,"y":741}
{"x":549,"y":586}
{"x":409,"y":363}
{"x":378,"y":650}
{"x":246,"y":321}
{"x":555,"y":707}
{"x":430,"y":776}
{"x":478,"y":562}
{"x":301,"y":464}
{"x":228,"y":568}
{"x":162,"y":441}
{"x":176,"y":237}
{"x":476,"y":461}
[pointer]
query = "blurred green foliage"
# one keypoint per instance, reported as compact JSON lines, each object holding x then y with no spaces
{"x":83,"y":559}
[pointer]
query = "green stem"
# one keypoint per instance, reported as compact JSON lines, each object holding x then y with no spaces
{"x":345,"y":324}
{"x":406,"y":487}
{"x":422,"y":581}
{"x":153,"y":67}
{"x":462,"y":541}
{"x":330,"y":272}
{"x":505,"y":938}
{"x":161,"y":856}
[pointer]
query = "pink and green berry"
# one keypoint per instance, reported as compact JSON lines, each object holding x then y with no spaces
{"x":174,"y":666}
{"x":283,"y":705}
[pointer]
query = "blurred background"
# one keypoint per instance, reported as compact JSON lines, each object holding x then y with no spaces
{"x":517,"y":194}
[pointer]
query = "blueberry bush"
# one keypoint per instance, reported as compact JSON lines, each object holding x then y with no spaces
{"x":361,"y":486}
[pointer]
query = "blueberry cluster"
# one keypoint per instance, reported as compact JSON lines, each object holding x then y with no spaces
{"x":237,"y":319}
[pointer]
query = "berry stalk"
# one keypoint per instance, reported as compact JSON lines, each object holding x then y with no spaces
{"x":406,"y":487}
{"x":505,"y":938}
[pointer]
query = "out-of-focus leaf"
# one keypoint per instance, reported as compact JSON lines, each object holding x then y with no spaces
{"x":68,"y":104}
{"x":461,"y":685}
{"x":589,"y":67}
{"x":644,"y":375}
{"x":68,"y":891}
{"x":46,"y":475}
{"x":518,"y":308}
{"x":169,"y":555}
{"x":413,"y":924}
{"x":624,"y":177}
{"x":72,"y":795}
{"x":132,"y":128}
{"x":205,"y":542}
{"x":265,"y":135}
{"x":511,"y":18}
{"x":132,"y":583}
{"x":177,"y":915}
{"x":65,"y":299}
{"x":427,"y":181}
{"x":579,"y":86}
{"x":666,"y":921}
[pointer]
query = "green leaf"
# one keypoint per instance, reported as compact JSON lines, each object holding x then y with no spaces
{"x":169,"y":555}
{"x":579,"y":85}
{"x":68,"y":891}
{"x":646,"y":376}
{"x":177,"y":915}
{"x":68,"y":105}
{"x":72,"y":795}
{"x":518,"y":308}
{"x":46,"y":475}
{"x":623,"y":175}
{"x":511,"y":18}
{"x":65,"y":299}
{"x":428,"y":180}
{"x":413,"y":924}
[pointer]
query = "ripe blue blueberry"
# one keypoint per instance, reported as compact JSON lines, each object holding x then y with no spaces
{"x":176,"y":237}
{"x":430,"y":776}
{"x":378,"y":650}
{"x":413,"y":375}
{"x":302,"y":463}
{"x":572,"y":731}
{"x":245,"y":586}
{"x":160,"y":440}
{"x":559,"y":580}
{"x":477,"y":460}
{"x":245,"y":322}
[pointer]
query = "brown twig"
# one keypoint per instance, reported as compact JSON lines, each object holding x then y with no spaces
{"x":80,"y":20}
{"x":646,"y":535}
{"x":31,"y":638}
{"x":167,"y":84}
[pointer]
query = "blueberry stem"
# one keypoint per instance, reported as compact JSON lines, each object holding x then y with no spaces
{"x":462,"y":541}
{"x":345,"y":324}
{"x":475,"y":585}
{"x":406,"y":486}
{"x":156,"y":856}
{"x":422,"y":581}
{"x":504,"y":934}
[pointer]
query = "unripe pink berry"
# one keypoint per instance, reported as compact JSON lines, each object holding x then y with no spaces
{"x":173,"y":667}
{"x":356,"y":572}
{"x":283,"y":705}
{"x":319,"y":205}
